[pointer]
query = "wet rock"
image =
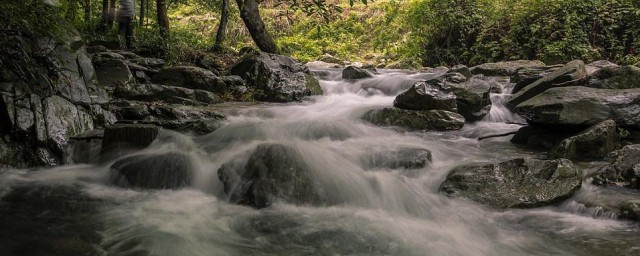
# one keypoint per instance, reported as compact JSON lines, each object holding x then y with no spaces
{"x":63,"y":120}
{"x":504,"y":68}
{"x":50,"y":220}
{"x":122,"y":137}
{"x":148,"y":62}
{"x":599,"y":64}
{"x":153,"y":171}
{"x":426,"y":96}
{"x":569,"y":75}
{"x":133,"y":112}
{"x":615,"y":77}
{"x":595,"y":142}
{"x":232,"y":81}
{"x":624,"y":169}
{"x":461,"y":69}
{"x":180,"y":112}
{"x":101,"y":116}
{"x":210,"y":63}
{"x":107,"y":55}
{"x":517,"y":183}
{"x":168,"y":94}
{"x":582,"y":107}
{"x":190,"y":77}
{"x":71,"y":83}
{"x":528,"y":75}
{"x":274,"y":172}
{"x":84,"y":148}
{"x":354,"y":73}
{"x":321,"y":64}
{"x":113,"y":72}
{"x":472,"y":95}
{"x":407,"y":158}
{"x":427,"y":120}
{"x":276,"y":78}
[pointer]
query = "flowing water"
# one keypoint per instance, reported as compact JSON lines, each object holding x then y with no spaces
{"x":381,"y":211}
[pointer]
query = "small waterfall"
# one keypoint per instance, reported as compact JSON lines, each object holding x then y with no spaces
{"x":499,"y":112}
{"x":593,"y":211}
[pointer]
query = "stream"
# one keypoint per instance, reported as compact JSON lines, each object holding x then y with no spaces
{"x":382,"y":211}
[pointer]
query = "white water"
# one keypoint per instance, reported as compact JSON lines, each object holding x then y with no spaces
{"x":379,"y":212}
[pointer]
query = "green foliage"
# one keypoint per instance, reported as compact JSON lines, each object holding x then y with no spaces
{"x":21,"y":24}
{"x":554,"y":31}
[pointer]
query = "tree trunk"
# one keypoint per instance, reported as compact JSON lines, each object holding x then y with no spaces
{"x":163,"y":20}
{"x":112,"y":14}
{"x":105,"y":15}
{"x":142,"y":10}
{"x":71,"y":10}
{"x":250,"y":15}
{"x":87,"y":12}
{"x":222,"y":27}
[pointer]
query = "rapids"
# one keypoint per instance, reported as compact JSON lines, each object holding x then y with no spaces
{"x":381,"y":211}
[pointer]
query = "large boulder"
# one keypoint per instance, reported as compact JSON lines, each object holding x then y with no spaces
{"x":517,"y":183}
{"x":595,"y":142}
{"x":120,"y":137}
{"x":569,"y":75}
{"x":615,"y":77}
{"x":504,"y":68}
{"x":579,"y":106}
{"x":426,"y":96}
{"x":276,"y":78}
{"x":153,"y":171}
{"x":427,"y":120}
{"x":190,"y":77}
{"x":528,"y":75}
{"x":624,"y":168}
{"x":472,"y":95}
{"x":274,"y":172}
{"x":112,"y":72}
{"x":63,"y":120}
{"x":354,"y":73}
{"x":599,"y":64}
{"x":168,"y":94}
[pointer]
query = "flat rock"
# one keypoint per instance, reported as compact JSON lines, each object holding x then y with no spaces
{"x":517,"y":183}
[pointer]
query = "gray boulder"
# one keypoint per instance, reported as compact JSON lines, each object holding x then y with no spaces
{"x":504,"y":68}
{"x":595,"y":142}
{"x":112,"y":72}
{"x":426,"y":96}
{"x":615,"y":77}
{"x":190,"y":77}
{"x":569,"y":75}
{"x":599,"y":64}
{"x":579,"y":106}
{"x":623,"y":170}
{"x":274,"y":172}
{"x":354,"y":73}
{"x":153,"y":171}
{"x":148,"y":62}
{"x":517,"y":183}
{"x":427,"y":120}
{"x":472,"y":95}
{"x":63,"y":120}
{"x":276,"y":78}
{"x":168,"y":94}
{"x":528,"y":75}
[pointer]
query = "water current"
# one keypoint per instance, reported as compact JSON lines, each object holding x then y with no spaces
{"x":382,"y":211}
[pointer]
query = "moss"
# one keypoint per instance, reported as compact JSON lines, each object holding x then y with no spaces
{"x":313,"y":85}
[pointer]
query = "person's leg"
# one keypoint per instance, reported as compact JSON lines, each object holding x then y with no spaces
{"x":129,"y":34}
{"x":122,"y":29}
